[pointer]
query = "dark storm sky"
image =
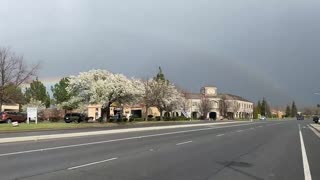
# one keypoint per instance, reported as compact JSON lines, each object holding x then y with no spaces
{"x":251,"y":48}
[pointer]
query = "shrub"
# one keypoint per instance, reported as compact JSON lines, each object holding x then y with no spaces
{"x":168,"y":119}
{"x":131,"y":119}
{"x":54,"y":119}
{"x":182,"y":118}
{"x":112,"y":119}
{"x":139,"y":119}
{"x":100,"y":120}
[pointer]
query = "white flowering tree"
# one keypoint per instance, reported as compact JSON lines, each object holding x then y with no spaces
{"x":104,"y":88}
{"x":35,"y":104}
{"x":162,"y":94}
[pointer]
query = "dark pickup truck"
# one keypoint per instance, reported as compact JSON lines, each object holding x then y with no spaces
{"x":315,"y":119}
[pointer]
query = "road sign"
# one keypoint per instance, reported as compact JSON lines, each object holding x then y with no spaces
{"x":32,"y":114}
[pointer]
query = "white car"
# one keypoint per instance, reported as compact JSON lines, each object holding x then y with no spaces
{"x":263,"y":118}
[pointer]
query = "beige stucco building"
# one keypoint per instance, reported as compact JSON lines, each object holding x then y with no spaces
{"x":238,"y":107}
{"x":10,"y":107}
{"x":138,"y":111}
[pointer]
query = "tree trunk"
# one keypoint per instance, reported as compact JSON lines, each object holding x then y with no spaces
{"x":1,"y":103}
{"x":1,"y":100}
{"x":161,"y":111}
{"x":146,"y":114}
{"x":105,"y":112}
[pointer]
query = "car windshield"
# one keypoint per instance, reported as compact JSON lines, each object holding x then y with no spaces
{"x":160,"y":89}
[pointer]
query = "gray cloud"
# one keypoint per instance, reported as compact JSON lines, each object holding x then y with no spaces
{"x":252,"y":48}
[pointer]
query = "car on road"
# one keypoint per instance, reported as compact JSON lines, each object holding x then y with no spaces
{"x":263,"y":118}
{"x":9,"y":117}
{"x":300,"y":117}
{"x":75,"y":117}
{"x":316,"y":119}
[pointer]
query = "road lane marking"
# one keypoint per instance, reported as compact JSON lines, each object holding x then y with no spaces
{"x":314,"y":131}
{"x":276,"y":124}
{"x":116,"y":140}
{"x":252,"y":128}
{"x":220,"y":135}
{"x":240,"y":131}
{"x":93,"y":163}
{"x":187,"y":142}
{"x":306,"y":168}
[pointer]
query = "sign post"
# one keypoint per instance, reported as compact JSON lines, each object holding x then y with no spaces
{"x":32,"y":114}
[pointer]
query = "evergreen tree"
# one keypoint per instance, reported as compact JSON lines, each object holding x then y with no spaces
{"x":259,"y":107}
{"x":59,"y":91}
{"x":37,"y":91}
{"x":294,"y":110}
{"x":265,"y":108}
{"x":160,"y":76}
{"x":288,"y":111}
{"x":255,"y":112}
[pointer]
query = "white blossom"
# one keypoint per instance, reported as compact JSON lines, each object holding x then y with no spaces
{"x":103,"y":87}
{"x":163,"y":95}
{"x":35,"y":104}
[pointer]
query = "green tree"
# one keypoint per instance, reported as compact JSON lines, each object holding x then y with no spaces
{"x":59,"y":91}
{"x":14,"y":94}
{"x":294,"y":110}
{"x":265,"y":108}
{"x":288,"y":111}
{"x":37,"y":91}
{"x":255,"y":112}
{"x":259,"y":108}
{"x":160,"y":76}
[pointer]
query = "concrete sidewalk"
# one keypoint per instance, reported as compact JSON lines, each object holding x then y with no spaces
{"x":104,"y":132}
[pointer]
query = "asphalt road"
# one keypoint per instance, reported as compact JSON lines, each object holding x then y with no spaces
{"x":259,"y":150}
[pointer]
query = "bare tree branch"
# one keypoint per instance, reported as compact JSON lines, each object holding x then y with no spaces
{"x":205,"y":106}
{"x":13,"y":73}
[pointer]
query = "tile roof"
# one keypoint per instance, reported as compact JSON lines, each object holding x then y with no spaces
{"x":233,"y":97}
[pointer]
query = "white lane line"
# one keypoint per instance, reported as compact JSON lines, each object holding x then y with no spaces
{"x":240,"y":131}
{"x":187,"y":142}
{"x":306,"y":168}
{"x":252,"y":128}
{"x":90,"y":164}
{"x":116,"y":140}
{"x":276,"y":124}
{"x":220,"y":135}
{"x":313,"y":130}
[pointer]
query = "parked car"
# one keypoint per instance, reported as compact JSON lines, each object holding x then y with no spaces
{"x":316,"y":119}
{"x":263,"y":118}
{"x":75,"y":117}
{"x":10,"y":117}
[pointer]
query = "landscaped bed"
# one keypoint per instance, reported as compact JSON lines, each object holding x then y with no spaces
{"x":63,"y":125}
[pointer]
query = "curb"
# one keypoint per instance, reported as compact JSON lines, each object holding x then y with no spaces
{"x":104,"y":132}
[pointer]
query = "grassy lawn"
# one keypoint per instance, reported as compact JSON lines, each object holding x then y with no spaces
{"x":46,"y":126}
{"x":63,"y":125}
